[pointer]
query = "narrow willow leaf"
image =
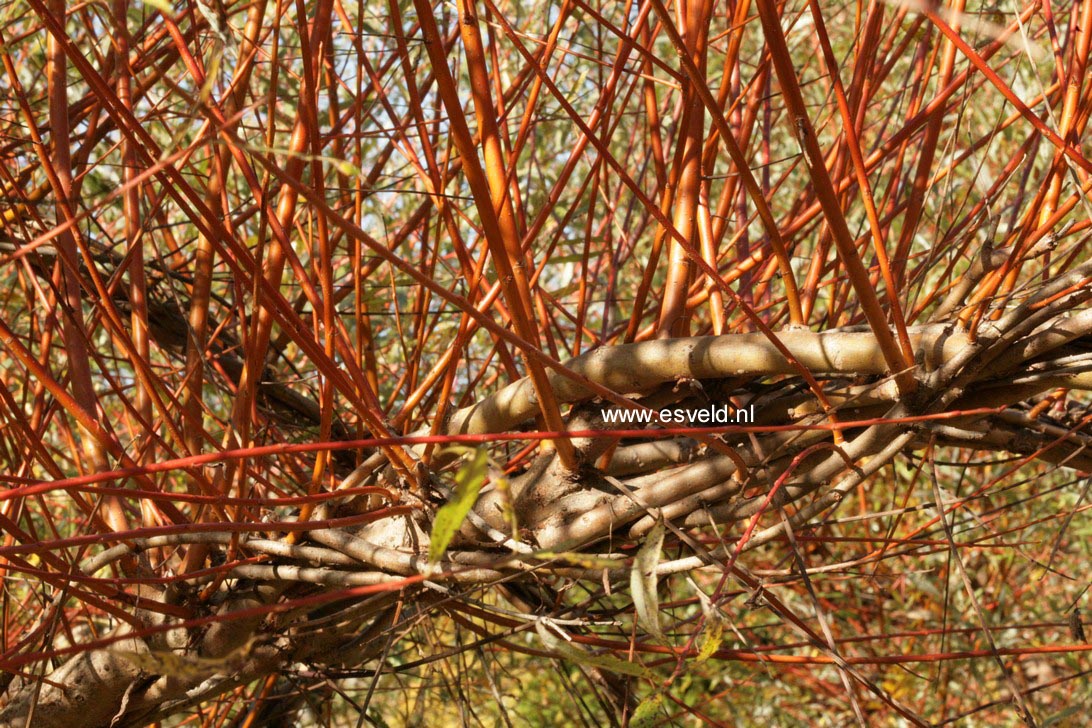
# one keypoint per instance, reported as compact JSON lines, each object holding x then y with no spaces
{"x":713,"y":632}
{"x":377,"y":719}
{"x":586,"y":561}
{"x":648,"y":712}
{"x":508,"y":511}
{"x":185,"y":666}
{"x":711,"y":638}
{"x":570,"y":258}
{"x":456,"y":449}
{"x":165,"y":663}
{"x":579,"y":656}
{"x":642,"y":581}
{"x":468,"y":483}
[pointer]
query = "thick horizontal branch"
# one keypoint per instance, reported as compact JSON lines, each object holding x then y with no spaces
{"x":636,"y":368}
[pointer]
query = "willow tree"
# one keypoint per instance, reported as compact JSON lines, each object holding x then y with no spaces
{"x":359,"y":362}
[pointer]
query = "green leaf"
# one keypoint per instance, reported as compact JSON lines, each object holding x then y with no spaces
{"x":570,"y":258}
{"x":468,"y":483}
{"x":377,"y":719}
{"x":642,"y":581}
{"x":579,"y":656}
{"x":648,"y":712}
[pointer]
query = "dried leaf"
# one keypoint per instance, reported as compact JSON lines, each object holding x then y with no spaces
{"x":711,"y":638}
{"x":642,"y":581}
{"x":579,"y":656}
{"x":713,"y":632}
{"x":185,"y":666}
{"x":585,"y":561}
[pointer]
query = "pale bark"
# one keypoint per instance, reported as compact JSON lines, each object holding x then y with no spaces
{"x":680,"y":479}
